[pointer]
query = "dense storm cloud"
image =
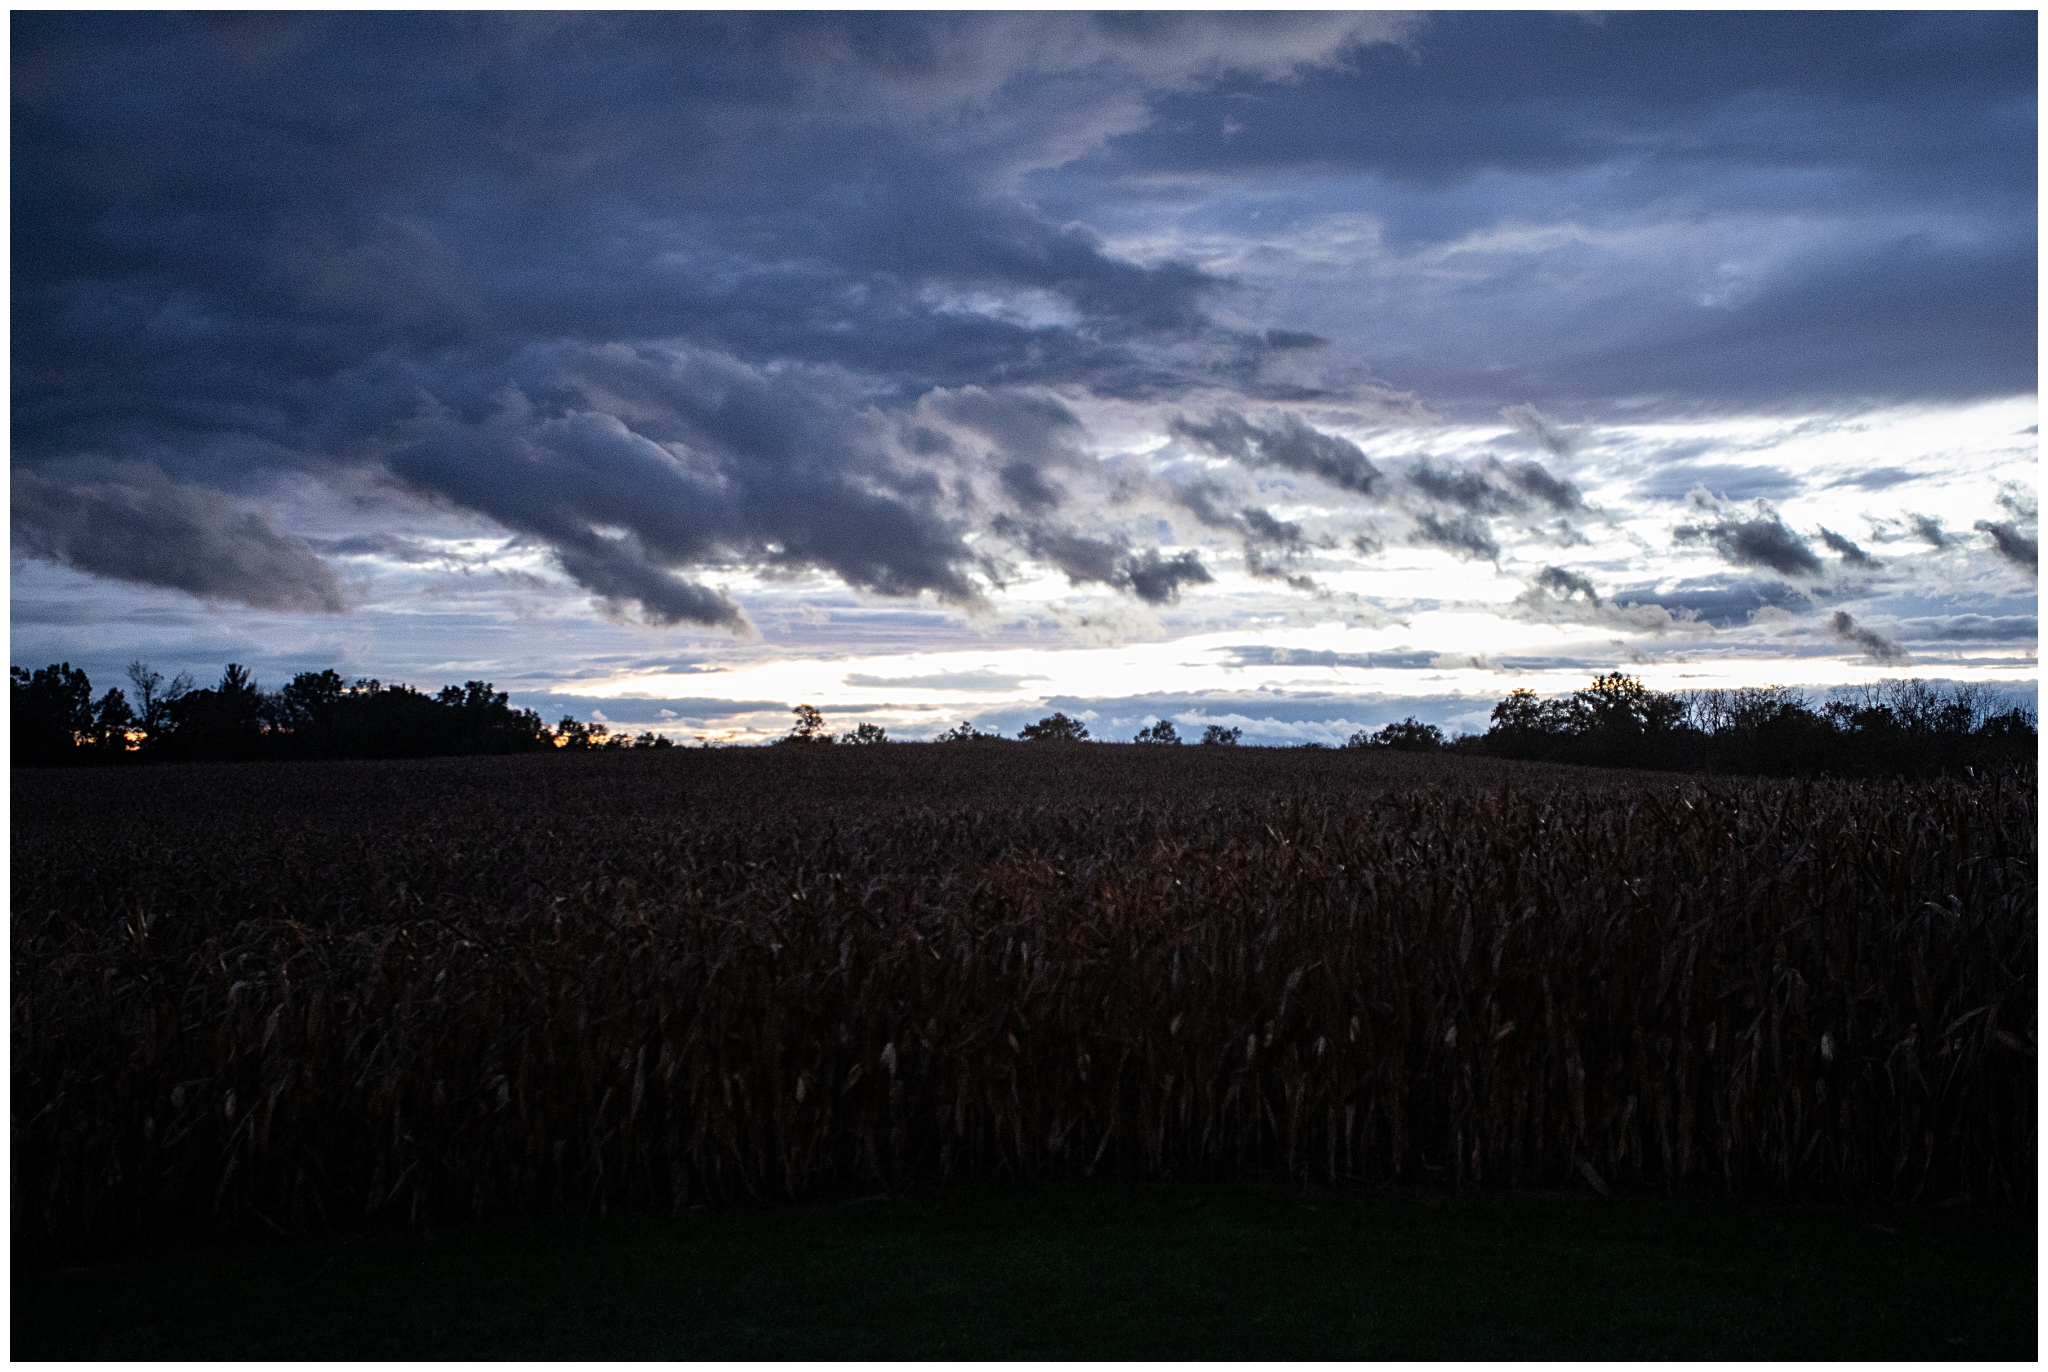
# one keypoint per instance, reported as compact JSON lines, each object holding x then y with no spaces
{"x":536,"y":265}
{"x":1804,"y":148}
{"x":695,"y":460}
{"x":135,"y":524}
{"x":850,"y":328}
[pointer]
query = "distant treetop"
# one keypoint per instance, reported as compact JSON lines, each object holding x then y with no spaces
{"x":1055,"y":728}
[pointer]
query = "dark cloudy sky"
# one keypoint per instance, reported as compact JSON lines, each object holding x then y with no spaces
{"x":1294,"y":370}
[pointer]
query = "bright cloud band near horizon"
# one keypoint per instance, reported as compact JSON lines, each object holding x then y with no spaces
{"x":1294,"y":371}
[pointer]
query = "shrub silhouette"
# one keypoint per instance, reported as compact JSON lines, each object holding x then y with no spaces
{"x":1055,"y":728}
{"x":1411,"y":735}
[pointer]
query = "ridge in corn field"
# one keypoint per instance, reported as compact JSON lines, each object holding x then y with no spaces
{"x":305,"y":996}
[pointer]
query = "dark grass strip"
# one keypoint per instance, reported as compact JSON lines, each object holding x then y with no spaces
{"x":1088,"y":1270}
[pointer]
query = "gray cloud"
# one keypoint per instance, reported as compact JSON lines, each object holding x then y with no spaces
{"x":683,"y":294}
{"x":1468,"y":490}
{"x":2014,"y":546}
{"x":1566,"y":584}
{"x":1147,"y":574}
{"x":1450,"y":506}
{"x":1292,"y":340}
{"x":697,"y":460}
{"x":1762,"y":541}
{"x":1265,"y":655}
{"x":1971,"y":628}
{"x":1873,"y":643}
{"x":944,"y":681}
{"x":1261,"y":529}
{"x":645,"y":710}
{"x":1492,"y":487}
{"x":1257,"y":529}
{"x":620,"y":575}
{"x":1718,"y":604}
{"x":1929,"y":531}
{"x":320,"y":294}
{"x":944,"y":63}
{"x":1880,"y":478}
{"x":2021,"y":504}
{"x":1033,"y":435}
{"x":1540,"y":485}
{"x":1289,"y":444}
{"x":1850,"y":554}
{"x":1560,"y":595}
{"x":1470,"y":129}
{"x":1530,"y":421}
{"x":1729,"y":481}
{"x":133,"y":523}
{"x":393,"y":546}
{"x":1455,"y":533}
{"x":1257,"y":563}
{"x":1156,"y":579}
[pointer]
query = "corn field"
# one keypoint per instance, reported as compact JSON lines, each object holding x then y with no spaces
{"x":309,"y":995}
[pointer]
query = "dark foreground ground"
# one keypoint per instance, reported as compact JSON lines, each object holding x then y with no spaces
{"x":1089,"y":1270}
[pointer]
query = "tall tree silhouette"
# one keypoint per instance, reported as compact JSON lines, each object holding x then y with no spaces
{"x":154,"y":697}
{"x":224,"y":723}
{"x":112,"y":720}
{"x":50,"y":713}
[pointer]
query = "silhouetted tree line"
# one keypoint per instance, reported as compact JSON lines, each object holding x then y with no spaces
{"x":1895,"y":728}
{"x":1901,"y":727}
{"x":57,"y":722}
